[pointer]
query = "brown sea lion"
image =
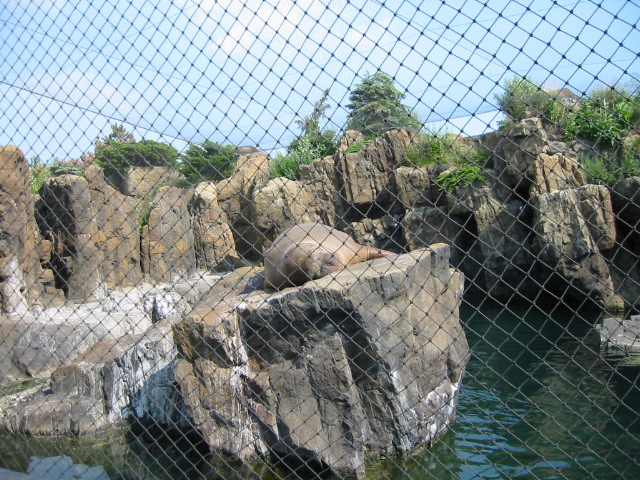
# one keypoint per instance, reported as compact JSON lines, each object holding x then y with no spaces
{"x":310,"y":251}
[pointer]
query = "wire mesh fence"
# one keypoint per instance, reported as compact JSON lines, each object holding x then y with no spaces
{"x":312,"y":239}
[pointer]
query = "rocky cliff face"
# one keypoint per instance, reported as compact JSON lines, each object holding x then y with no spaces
{"x":369,"y":359}
{"x":533,"y":222}
{"x":19,"y":265}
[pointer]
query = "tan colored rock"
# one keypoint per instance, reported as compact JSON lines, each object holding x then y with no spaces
{"x":320,"y":179}
{"x":364,"y":176}
{"x":19,"y":265}
{"x":415,"y":188}
{"x":235,"y":195}
{"x":281,"y":204}
{"x":213,"y":238}
{"x":93,"y":231}
{"x":141,"y":182}
{"x":168,"y":243}
{"x":557,"y":172}
{"x":524,"y":159}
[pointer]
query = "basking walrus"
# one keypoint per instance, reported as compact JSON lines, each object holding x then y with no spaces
{"x":309,"y":251}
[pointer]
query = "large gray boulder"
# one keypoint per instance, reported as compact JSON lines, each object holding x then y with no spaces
{"x":366,"y":360}
{"x":130,"y":377}
{"x":573,"y":228}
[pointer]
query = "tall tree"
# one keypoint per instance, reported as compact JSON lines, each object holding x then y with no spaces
{"x":376,"y":106}
{"x":322,"y":141}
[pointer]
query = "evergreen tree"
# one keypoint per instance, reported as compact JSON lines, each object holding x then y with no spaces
{"x":376,"y":106}
{"x":322,"y":141}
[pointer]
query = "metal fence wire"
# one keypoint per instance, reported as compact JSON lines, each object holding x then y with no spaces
{"x":305,"y":239}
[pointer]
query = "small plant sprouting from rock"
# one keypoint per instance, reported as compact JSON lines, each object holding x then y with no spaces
{"x":445,"y":149}
{"x":288,"y":166}
{"x":459,"y":177}
{"x":359,"y":145}
{"x":39,"y":171}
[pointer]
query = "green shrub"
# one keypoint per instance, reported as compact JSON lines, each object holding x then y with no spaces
{"x":606,"y":116}
{"x":603,"y":171}
{"x":288,"y":166}
{"x":207,"y":161}
{"x":376,"y":106}
{"x":520,"y":95}
{"x":599,"y":171}
{"x":39,"y":172}
{"x":119,"y":150}
{"x":445,"y":149}
{"x":462,"y":176}
{"x":359,"y":145}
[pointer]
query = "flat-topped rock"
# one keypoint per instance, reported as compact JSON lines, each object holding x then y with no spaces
{"x":369,"y":359}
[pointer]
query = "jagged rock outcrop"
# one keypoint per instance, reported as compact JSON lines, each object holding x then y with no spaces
{"x":525,"y":159}
{"x":167,"y":240}
{"x":112,"y":380}
{"x":235,"y":195}
{"x":93,"y":233}
{"x":213,"y":238}
{"x":142,"y":182}
{"x":625,"y":259}
{"x":366,"y":360}
{"x":364,"y":177}
{"x":279,"y":205}
{"x":321,"y":180}
{"x":19,"y":265}
{"x":572,"y":228}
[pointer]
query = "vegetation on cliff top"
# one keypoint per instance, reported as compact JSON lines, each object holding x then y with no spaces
{"x":608,"y":117}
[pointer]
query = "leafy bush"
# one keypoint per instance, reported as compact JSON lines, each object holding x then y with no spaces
{"x":521,"y":95}
{"x":462,"y":176}
{"x":288,"y":166}
{"x":359,"y":145}
{"x":600,"y":117}
{"x":324,"y":142}
{"x":445,"y":149}
{"x":39,"y":172}
{"x":603,"y":171}
{"x":208,"y":161}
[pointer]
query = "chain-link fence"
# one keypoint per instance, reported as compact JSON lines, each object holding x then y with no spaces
{"x":311,"y":239}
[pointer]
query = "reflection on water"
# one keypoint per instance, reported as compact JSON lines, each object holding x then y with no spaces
{"x":539,"y":401}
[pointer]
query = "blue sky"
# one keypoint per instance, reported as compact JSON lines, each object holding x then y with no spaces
{"x":242,"y":72}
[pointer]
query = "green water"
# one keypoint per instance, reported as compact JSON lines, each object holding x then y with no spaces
{"x":539,"y":401}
